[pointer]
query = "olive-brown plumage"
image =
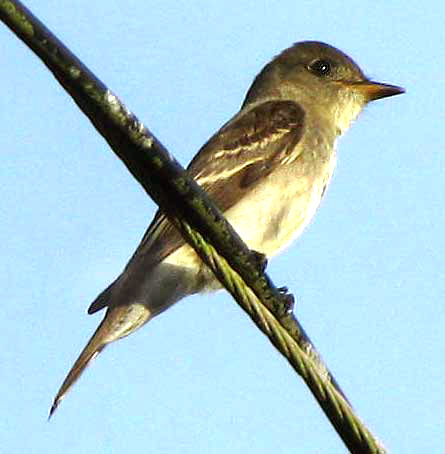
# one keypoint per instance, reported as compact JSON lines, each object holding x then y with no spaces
{"x":266,"y":169}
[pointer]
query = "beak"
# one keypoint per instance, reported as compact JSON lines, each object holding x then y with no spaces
{"x":375,"y":90}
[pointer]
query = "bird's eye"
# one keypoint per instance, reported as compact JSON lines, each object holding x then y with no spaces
{"x":320,"y":67}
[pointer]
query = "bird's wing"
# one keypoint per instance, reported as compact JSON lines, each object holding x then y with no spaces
{"x":246,"y":149}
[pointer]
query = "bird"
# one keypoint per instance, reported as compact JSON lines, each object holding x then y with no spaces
{"x":266,"y":169}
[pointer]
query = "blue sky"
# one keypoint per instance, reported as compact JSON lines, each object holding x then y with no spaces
{"x":367,"y":274}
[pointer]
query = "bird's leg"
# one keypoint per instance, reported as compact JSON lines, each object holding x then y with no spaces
{"x":288,"y":299}
{"x":260,"y":260}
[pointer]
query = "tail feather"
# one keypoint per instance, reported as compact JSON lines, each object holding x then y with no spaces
{"x":119,"y":321}
{"x":92,"y":349}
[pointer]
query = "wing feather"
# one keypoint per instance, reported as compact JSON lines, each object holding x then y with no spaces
{"x":247,"y":148}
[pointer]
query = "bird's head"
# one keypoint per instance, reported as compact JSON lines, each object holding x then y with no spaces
{"x":321,"y":77}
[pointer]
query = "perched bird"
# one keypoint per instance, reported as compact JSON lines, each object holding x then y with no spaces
{"x":266,"y":169}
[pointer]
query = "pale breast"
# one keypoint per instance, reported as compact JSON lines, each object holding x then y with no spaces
{"x":280,"y":207}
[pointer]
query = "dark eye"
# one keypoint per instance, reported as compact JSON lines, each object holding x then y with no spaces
{"x":320,"y":67}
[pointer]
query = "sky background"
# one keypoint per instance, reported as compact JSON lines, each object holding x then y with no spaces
{"x":367,"y":274}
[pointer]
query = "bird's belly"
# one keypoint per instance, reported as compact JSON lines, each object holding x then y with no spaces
{"x":275,"y":214}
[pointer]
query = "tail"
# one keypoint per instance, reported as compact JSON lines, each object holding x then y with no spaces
{"x":119,"y":321}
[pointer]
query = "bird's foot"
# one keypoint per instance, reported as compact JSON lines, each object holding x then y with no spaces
{"x":288,"y":298}
{"x":260,"y":260}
